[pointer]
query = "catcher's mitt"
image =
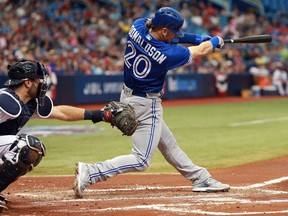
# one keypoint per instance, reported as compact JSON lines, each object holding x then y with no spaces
{"x":123,"y":117}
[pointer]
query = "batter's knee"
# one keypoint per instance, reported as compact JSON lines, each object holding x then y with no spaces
{"x":142,"y":166}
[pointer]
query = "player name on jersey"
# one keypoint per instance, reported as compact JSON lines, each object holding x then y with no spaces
{"x":147,"y":47}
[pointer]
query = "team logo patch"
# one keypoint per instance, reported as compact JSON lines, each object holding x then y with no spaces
{"x":60,"y":130}
{"x":149,"y":37}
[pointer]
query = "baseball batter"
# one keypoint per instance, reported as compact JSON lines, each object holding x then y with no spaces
{"x":24,"y":98}
{"x":151,"y":51}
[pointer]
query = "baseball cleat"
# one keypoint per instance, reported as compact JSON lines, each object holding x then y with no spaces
{"x":3,"y":199}
{"x":2,"y":205}
{"x":210,"y":185}
{"x":81,"y":179}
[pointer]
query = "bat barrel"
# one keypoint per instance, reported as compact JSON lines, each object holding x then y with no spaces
{"x":250,"y":39}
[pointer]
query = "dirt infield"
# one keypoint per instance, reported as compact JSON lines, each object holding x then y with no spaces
{"x":257,"y":189}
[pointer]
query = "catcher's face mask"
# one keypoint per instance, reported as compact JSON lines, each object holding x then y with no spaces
{"x":42,"y":86}
{"x":27,"y":69}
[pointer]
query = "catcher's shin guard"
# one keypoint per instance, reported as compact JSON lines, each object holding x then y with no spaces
{"x":29,"y":152}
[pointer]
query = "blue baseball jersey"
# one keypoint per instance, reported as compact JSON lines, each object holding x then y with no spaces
{"x":147,"y":59}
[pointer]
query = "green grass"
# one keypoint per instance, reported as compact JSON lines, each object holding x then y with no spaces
{"x":202,"y":131}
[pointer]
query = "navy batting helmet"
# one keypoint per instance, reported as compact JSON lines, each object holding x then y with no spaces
{"x":25,"y":69}
{"x":169,"y":18}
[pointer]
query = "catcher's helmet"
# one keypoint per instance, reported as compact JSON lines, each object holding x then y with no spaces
{"x":169,"y":18}
{"x":25,"y":69}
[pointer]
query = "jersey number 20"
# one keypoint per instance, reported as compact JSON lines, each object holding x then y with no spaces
{"x":131,"y":60}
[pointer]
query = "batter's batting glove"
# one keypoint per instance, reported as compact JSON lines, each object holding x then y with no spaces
{"x":217,"y":42}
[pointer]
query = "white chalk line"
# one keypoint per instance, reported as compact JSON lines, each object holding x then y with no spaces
{"x":202,"y":199}
{"x":147,"y":187}
{"x":141,"y":187}
{"x":266,"y":183}
{"x":187,"y":207}
{"x":196,"y":199}
{"x":260,"y":121}
{"x":178,"y":208}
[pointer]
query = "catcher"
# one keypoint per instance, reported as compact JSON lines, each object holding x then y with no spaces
{"x":25,"y":98}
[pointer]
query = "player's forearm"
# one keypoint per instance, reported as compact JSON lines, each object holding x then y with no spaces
{"x":69,"y":113}
{"x":201,"y":50}
{"x":215,"y":43}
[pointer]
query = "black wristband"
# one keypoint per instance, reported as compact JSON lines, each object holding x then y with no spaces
{"x":94,"y":115}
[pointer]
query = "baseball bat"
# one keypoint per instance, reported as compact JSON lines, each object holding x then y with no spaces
{"x":250,"y":39}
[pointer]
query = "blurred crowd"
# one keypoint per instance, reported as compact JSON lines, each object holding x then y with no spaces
{"x":88,"y":37}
